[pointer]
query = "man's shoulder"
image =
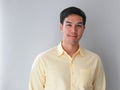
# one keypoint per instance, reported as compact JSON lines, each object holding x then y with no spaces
{"x":88,"y":52}
{"x":43,"y":56}
{"x":47,"y":52}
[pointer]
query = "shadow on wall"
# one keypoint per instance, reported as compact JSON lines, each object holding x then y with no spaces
{"x":109,"y":59}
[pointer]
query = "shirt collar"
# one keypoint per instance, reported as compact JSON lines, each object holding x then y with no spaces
{"x":61,"y":50}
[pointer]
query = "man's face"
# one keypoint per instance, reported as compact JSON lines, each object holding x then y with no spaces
{"x":72,"y":29}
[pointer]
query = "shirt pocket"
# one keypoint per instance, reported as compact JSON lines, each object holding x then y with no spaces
{"x":86,"y":77}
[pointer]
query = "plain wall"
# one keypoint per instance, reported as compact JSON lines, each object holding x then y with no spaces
{"x":32,"y":26}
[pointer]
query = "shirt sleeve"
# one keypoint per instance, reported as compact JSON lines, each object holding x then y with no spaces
{"x":37,"y":76}
{"x":99,"y":81}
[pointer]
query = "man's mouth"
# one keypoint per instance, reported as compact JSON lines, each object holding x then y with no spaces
{"x":72,"y":35}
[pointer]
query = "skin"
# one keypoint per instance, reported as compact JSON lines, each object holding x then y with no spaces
{"x":72,"y":29}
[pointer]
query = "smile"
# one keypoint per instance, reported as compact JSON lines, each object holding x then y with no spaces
{"x":72,"y":35}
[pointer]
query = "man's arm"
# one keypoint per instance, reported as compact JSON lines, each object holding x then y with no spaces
{"x":37,"y":76}
{"x":99,"y":82}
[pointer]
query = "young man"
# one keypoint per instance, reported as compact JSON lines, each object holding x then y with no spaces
{"x":68,"y":66}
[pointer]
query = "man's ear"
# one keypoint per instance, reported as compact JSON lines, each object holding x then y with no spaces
{"x":61,"y":27}
{"x":84,"y":27}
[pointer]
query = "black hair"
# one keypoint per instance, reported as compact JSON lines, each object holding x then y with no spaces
{"x":72,"y":10}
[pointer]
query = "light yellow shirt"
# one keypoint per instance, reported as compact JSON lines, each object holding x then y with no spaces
{"x":56,"y":70}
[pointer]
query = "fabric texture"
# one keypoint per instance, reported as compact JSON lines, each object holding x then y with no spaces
{"x":56,"y":70}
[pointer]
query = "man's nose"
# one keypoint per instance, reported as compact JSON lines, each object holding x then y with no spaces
{"x":74,"y":28}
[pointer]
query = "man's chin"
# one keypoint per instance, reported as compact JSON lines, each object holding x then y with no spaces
{"x":73,"y":42}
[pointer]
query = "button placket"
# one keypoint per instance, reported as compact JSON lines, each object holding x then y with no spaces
{"x":72,"y":75}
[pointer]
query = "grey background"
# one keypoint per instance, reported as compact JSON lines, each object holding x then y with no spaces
{"x":31,"y":26}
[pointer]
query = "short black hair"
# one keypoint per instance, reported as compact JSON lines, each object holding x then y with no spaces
{"x":72,"y":10}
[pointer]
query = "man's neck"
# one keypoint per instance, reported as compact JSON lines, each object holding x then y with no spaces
{"x":69,"y":48}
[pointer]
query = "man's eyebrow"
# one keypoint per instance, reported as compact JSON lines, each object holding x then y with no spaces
{"x":80,"y":23}
{"x":68,"y":22}
{"x":71,"y":22}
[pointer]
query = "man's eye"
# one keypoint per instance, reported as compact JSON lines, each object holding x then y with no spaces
{"x":68,"y":25}
{"x":79,"y":25}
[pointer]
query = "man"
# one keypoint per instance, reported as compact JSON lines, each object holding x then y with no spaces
{"x":68,"y":66}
